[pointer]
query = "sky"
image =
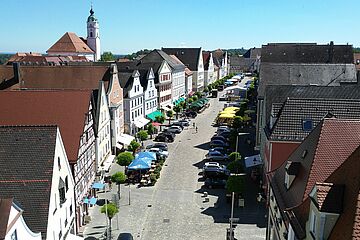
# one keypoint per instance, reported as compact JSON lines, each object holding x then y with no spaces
{"x":127,"y":26}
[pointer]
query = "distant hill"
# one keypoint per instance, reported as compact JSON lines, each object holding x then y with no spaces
{"x":4,"y":57}
{"x":236,"y":51}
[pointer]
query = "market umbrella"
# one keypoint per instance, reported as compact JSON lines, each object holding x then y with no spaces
{"x":146,"y":155}
{"x":227,"y":115}
{"x":231,"y":108}
{"x":139,"y":164}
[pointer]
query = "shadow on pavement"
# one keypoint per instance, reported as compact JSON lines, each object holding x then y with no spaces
{"x":200,"y":164}
{"x":203,"y":146}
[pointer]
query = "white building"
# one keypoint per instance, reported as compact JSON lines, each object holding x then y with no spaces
{"x":45,"y":187}
{"x":147,"y":79}
{"x":133,"y":102}
{"x":104,"y":157}
{"x":209,"y":70}
{"x":14,"y":225}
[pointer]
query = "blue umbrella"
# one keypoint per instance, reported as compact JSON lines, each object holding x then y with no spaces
{"x":139,"y":164}
{"x":149,"y":155}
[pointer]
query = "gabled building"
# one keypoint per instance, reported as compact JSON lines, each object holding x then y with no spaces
{"x":35,"y":173}
{"x":133,"y":102}
{"x":292,"y":121}
{"x":222,"y":62}
{"x":147,"y":80}
{"x":177,"y":72}
{"x":12,"y":224}
{"x":72,"y":45}
{"x":72,"y":111}
{"x":192,"y":59}
{"x":253,"y":54}
{"x":302,"y":64}
{"x":314,"y":194}
{"x":209,"y":71}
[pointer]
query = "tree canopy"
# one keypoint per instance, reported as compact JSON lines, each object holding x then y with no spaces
{"x":107,"y":57}
{"x":118,"y":178}
{"x":142,"y":135}
{"x":124,"y":158}
{"x":236,"y":183}
{"x":111,"y":210}
{"x":133,"y":146}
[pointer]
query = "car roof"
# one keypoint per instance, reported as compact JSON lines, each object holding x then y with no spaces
{"x":213,"y":152}
{"x":212,"y":163}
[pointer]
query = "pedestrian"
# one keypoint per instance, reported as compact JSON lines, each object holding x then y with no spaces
{"x":196,"y":129}
{"x":193,"y":124}
{"x":110,"y":184}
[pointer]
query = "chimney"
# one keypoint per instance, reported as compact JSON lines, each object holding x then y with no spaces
{"x":331,"y":52}
{"x":16,"y":68}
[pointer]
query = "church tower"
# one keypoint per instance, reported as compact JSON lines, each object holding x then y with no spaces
{"x":93,"y":38}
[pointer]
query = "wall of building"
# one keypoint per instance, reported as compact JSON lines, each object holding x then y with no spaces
{"x":22,"y":230}
{"x":178,"y":84}
{"x":61,"y":216}
{"x":150,"y":96}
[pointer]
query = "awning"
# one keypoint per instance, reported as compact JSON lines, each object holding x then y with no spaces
{"x":73,"y":237}
{"x":141,"y":121}
{"x":91,"y":200}
{"x":105,"y":166}
{"x":165,"y":108}
{"x":98,"y":185}
{"x":125,"y":139}
{"x":155,"y":124}
{"x":252,"y":161}
{"x":153,"y":115}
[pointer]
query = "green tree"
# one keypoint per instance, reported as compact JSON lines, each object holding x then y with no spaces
{"x":133,"y":146}
{"x":190,"y":100}
{"x":235,"y":166}
{"x":236,"y":184}
{"x":183,"y":105}
{"x":234,"y":156}
{"x":125,"y":158}
{"x":118,"y":178}
{"x":110,"y":209}
{"x":169,"y":114}
{"x":142,"y":135}
{"x":150,"y":129}
{"x":160,"y":119}
{"x":107,"y":57}
{"x":237,"y":122}
{"x":195,"y":98}
{"x":198,"y":94}
{"x":177,"y":110}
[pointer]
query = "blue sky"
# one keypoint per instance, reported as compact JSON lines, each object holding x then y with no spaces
{"x":130,"y":25}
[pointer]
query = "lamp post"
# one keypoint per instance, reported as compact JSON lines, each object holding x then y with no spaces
{"x":231,"y":237}
{"x":237,"y":142}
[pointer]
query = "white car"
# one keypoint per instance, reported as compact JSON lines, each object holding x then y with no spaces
{"x":174,"y":129}
{"x":159,"y":151}
{"x":213,"y":166}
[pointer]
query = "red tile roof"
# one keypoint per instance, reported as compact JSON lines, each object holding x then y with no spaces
{"x":338,"y":140}
{"x":65,"y":108}
{"x":70,"y":42}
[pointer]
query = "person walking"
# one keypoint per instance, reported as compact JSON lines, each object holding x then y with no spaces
{"x":196,"y":129}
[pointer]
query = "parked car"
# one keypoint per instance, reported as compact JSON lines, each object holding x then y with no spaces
{"x":216,"y":156}
{"x":184,"y":122}
{"x":162,"y":146}
{"x":125,"y":236}
{"x":191,"y":114}
{"x":215,"y":183}
{"x":178,"y":124}
{"x":217,"y":137}
{"x":218,"y":149}
{"x":159,"y":152}
{"x":224,"y":134}
{"x":221,"y":130}
{"x":215,"y":170}
{"x":173,"y":129}
{"x":163,"y":137}
{"x":218,"y":143}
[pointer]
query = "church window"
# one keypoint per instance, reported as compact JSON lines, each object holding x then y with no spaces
{"x":91,"y":34}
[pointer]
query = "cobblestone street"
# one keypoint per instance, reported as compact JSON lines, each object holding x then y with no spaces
{"x":174,"y":208}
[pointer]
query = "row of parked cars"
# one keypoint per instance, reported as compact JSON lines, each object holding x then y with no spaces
{"x":168,"y":135}
{"x":216,"y":174}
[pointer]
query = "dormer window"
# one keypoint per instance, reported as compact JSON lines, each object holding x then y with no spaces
{"x":291,"y":170}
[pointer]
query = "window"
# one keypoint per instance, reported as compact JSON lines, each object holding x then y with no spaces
{"x":313,"y":223}
{"x":66,"y":183}
{"x":147,"y":106}
{"x":14,"y":235}
{"x":71,"y":210}
{"x":91,"y":34}
{"x":59,"y":163}
{"x":132,"y":115}
{"x":61,"y":189}
{"x":150,"y":83}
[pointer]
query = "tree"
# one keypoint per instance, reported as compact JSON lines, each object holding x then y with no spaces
{"x":198,"y":94}
{"x":234,"y":156}
{"x":236,"y":184}
{"x":142,"y":135}
{"x":169,"y":114}
{"x":183,"y":105}
{"x":235,"y":166}
{"x":237,"y":122}
{"x":190,"y":100}
{"x":125,"y":158}
{"x":194,"y":98}
{"x":107,"y":57}
{"x":177,"y":110}
{"x":118,"y":178}
{"x":150,"y":129}
{"x":110,"y":209}
{"x":133,"y":146}
{"x":160,"y":119}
